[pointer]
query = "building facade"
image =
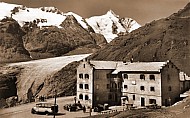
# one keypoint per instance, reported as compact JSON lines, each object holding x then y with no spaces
{"x":118,"y":83}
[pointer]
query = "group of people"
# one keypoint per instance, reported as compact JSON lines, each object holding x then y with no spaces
{"x":41,"y":98}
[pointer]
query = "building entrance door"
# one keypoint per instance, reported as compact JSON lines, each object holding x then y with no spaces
{"x":142,"y":101}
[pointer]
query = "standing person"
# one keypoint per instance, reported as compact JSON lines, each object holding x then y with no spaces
{"x":84,"y":109}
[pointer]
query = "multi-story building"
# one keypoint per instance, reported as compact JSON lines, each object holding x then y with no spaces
{"x":146,"y":83}
{"x":118,"y":83}
{"x":93,"y":85}
{"x":184,"y":82}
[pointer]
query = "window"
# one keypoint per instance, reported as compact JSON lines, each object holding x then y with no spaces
{"x":81,"y":96}
{"x":81,"y":76}
{"x":125,"y":76}
{"x":142,"y":88}
{"x":116,"y":98}
{"x":152,"y":101}
{"x":168,"y":77}
{"x":142,"y":76}
{"x":86,"y":76}
{"x":97,"y":86}
{"x":81,"y":86}
{"x":112,"y":85}
{"x":84,"y":65}
{"x":152,"y":89}
{"x":118,"y":85}
{"x":97,"y":98}
{"x":152,"y":77}
{"x":133,"y":97}
{"x":110,"y":96}
{"x":86,"y":97}
{"x":86,"y":86}
{"x":127,"y":98}
{"x":115,"y":85}
{"x":169,"y":88}
{"x":125,"y":86}
{"x":108,"y":86}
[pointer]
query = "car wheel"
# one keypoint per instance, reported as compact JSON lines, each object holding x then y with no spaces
{"x":47,"y":113}
{"x":33,"y":111}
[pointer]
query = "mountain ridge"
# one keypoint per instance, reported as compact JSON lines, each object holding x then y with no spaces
{"x":160,"y":40}
{"x":50,"y":16}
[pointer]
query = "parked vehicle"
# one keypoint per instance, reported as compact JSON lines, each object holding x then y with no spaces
{"x":153,"y":106}
{"x":44,"y":107}
{"x":73,"y":107}
{"x":100,"y":107}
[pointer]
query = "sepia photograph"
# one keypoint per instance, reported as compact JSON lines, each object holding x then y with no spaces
{"x":94,"y":58}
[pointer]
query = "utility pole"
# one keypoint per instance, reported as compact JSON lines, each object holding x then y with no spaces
{"x":55,"y":96}
{"x":55,"y":104}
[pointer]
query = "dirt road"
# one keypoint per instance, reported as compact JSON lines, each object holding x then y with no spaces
{"x":24,"y":111}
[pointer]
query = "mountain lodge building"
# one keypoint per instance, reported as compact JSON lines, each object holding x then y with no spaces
{"x":123,"y":83}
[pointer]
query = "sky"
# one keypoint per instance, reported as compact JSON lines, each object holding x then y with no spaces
{"x":143,"y":11}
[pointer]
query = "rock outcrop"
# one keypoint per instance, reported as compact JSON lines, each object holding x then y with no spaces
{"x":11,"y":43}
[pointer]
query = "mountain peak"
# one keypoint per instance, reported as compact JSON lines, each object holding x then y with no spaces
{"x":108,"y":24}
{"x":111,"y":13}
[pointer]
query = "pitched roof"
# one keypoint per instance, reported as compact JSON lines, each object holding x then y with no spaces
{"x":140,"y":66}
{"x":119,"y":66}
{"x":105,"y":64}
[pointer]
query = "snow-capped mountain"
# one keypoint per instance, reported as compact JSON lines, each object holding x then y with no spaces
{"x":109,"y":25}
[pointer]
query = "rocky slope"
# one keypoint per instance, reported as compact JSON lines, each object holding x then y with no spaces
{"x":11,"y":43}
{"x":27,"y":80}
{"x":161,"y":40}
{"x":48,"y":32}
{"x":110,"y":23}
{"x":52,"y":41}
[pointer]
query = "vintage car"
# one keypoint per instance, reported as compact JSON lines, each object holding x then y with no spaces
{"x":73,"y":107}
{"x":45,"y":107}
